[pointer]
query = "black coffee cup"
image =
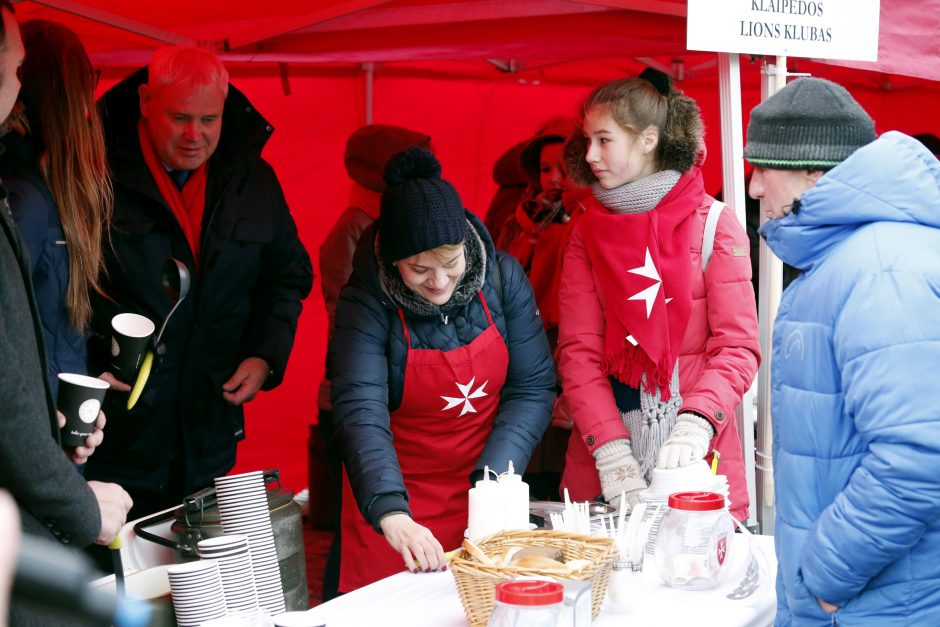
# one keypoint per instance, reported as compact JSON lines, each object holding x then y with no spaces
{"x":80,"y":399}
{"x":130,"y":339}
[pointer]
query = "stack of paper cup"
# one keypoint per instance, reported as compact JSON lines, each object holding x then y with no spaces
{"x":238,"y":580}
{"x":236,"y":620}
{"x":196,"y":589}
{"x":694,"y":477}
{"x":243,"y":507}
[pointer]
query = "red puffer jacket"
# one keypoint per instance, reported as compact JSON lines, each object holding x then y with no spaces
{"x":718,"y":360}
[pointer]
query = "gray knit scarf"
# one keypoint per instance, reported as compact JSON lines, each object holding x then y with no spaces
{"x":639,"y":196}
{"x":651,"y":425}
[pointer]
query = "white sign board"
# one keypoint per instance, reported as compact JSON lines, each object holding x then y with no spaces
{"x":819,"y":29}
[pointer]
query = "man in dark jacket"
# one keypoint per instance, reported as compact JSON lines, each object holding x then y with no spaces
{"x":53,"y":500}
{"x":189,"y":183}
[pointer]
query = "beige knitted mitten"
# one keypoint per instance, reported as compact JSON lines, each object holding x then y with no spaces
{"x":619,"y":472}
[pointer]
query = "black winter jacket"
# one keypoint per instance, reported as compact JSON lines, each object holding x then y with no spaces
{"x":367,"y":358}
{"x":244,"y":300}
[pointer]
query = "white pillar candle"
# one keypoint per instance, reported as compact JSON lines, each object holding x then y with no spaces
{"x":485,"y":508}
{"x":516,"y":494}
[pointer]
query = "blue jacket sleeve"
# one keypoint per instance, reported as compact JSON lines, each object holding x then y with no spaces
{"x":884,"y":340}
{"x":30,"y":214}
{"x":357,"y":364}
{"x":525,"y":408}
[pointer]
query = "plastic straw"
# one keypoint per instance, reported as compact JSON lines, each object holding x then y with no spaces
{"x":623,"y":512}
{"x":632,"y":535}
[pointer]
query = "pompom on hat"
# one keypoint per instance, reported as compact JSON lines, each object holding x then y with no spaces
{"x":419,"y":211}
{"x":810,"y":124}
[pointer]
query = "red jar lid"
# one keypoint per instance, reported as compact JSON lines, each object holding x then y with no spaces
{"x":696,"y":501}
{"x":530,"y":592}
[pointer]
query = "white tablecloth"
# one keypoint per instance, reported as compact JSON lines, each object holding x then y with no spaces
{"x":431,"y":600}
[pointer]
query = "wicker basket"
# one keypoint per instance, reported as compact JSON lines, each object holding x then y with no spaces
{"x":476,"y":582}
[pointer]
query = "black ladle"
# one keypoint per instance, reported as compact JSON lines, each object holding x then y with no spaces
{"x":175,"y":286}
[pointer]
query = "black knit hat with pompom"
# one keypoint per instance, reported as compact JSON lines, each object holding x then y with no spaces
{"x":420,"y":210}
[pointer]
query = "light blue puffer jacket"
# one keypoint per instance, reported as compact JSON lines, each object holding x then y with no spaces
{"x":856,"y":393}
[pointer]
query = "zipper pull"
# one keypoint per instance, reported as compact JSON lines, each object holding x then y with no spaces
{"x":444,"y":317}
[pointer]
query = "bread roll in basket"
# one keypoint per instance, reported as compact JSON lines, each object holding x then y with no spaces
{"x":479,"y":566}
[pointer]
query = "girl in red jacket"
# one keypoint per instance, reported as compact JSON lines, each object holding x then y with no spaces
{"x":654,"y":352}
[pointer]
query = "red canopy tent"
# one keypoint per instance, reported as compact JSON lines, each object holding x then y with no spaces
{"x":477,"y":75}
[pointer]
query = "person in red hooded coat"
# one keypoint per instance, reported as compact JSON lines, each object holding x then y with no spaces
{"x":537,"y":234}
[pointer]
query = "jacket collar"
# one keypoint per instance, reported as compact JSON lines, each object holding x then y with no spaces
{"x":244,"y":132}
{"x":21,"y":149}
{"x":893,"y":179}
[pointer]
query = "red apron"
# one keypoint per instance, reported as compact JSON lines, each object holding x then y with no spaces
{"x":449,"y":402}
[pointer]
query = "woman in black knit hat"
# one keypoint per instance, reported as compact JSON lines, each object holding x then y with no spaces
{"x":440,"y":367}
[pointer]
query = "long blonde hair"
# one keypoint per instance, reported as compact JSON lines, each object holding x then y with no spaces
{"x":58,"y":103}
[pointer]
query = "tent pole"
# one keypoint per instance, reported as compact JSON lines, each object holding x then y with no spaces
{"x":117,"y":21}
{"x":732,"y":134}
{"x":774,"y":77}
{"x":369,"y":68}
{"x":732,"y":185}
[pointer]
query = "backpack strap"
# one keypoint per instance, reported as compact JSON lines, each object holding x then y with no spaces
{"x":711,"y":227}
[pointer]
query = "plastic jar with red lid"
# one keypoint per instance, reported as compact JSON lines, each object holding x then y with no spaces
{"x":527,"y":603}
{"x":694,"y":541}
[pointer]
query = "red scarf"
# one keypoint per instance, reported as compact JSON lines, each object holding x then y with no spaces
{"x":628,"y":252}
{"x":187,"y":204}
{"x":525,"y":234}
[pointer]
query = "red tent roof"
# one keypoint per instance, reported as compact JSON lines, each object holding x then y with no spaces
{"x":531,"y":33}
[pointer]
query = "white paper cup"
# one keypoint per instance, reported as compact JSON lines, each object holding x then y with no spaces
{"x":130,"y":338}
{"x":297,"y":619}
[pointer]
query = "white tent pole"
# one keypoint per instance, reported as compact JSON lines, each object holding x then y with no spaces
{"x":732,"y":134}
{"x":771,"y":285}
{"x":369,"y":68}
{"x":732,"y":185}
